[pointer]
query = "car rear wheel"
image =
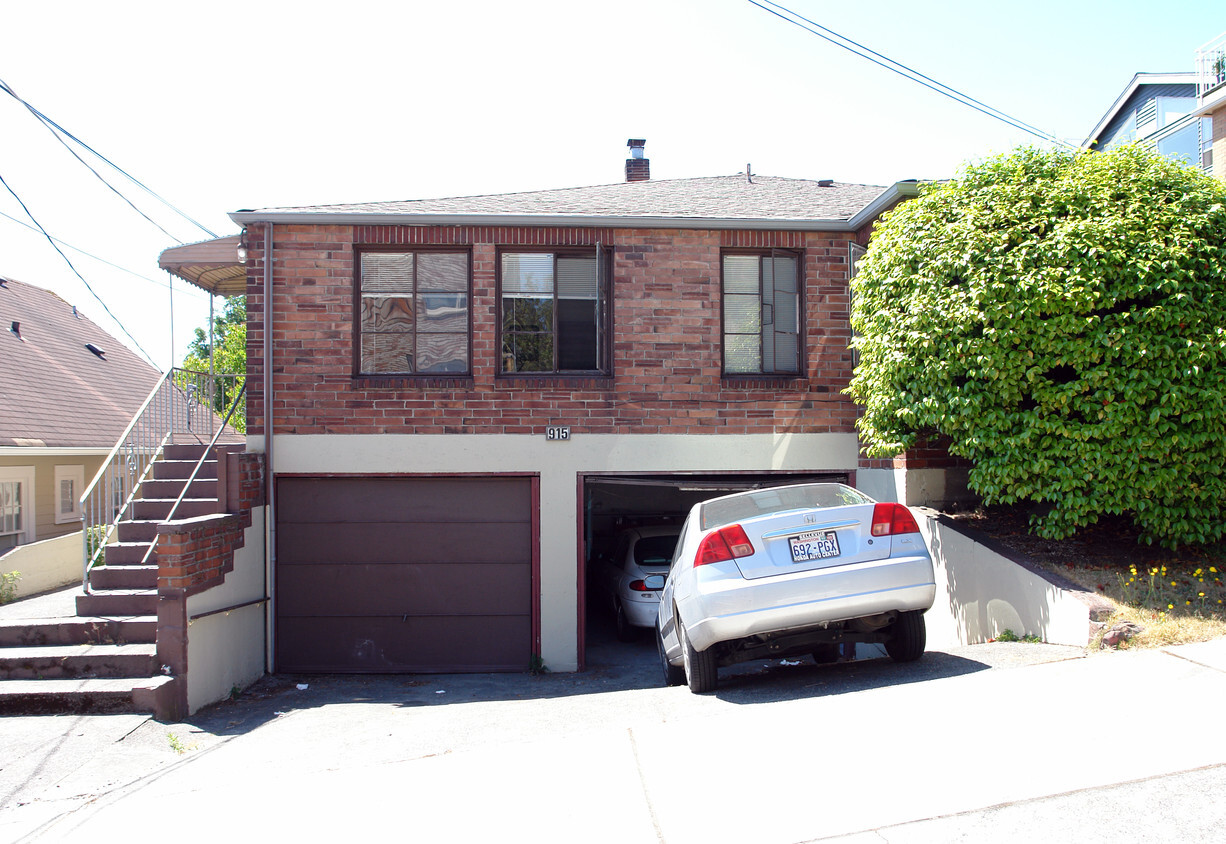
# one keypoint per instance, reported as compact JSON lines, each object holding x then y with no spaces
{"x":909,"y":637}
{"x":673,"y":675}
{"x":626,"y":632}
{"x":701,"y":672}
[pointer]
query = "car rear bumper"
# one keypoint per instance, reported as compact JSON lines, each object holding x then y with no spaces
{"x":641,"y":611}
{"x":724,"y":607}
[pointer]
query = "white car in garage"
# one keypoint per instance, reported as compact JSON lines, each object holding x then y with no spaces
{"x":791,"y":570}
{"x":637,"y":553}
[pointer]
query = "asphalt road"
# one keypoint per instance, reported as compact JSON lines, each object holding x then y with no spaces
{"x":1001,"y":742}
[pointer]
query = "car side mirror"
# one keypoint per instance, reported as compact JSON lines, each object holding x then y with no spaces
{"x":653,"y":582}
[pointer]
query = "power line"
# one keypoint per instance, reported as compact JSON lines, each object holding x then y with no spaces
{"x":96,"y":258}
{"x":57,"y":131}
{"x":902,"y":70}
{"x":54,"y":246}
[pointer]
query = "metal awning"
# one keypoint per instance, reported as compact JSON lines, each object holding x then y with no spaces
{"x":212,"y":265}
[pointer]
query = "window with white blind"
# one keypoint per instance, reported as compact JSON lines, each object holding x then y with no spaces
{"x":413,"y":313}
{"x":554,"y":312}
{"x":16,"y":505}
{"x":761,"y":313}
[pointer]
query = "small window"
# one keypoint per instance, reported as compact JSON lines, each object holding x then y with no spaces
{"x":854,"y":253}
{"x":413,"y":314}
{"x":554,"y":312}
{"x":16,"y":501}
{"x":69,"y":484}
{"x":761,"y":299}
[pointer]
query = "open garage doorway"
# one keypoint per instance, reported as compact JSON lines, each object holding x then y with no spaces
{"x":627,"y":525}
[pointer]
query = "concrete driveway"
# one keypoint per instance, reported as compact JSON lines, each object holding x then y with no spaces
{"x":998,"y":742}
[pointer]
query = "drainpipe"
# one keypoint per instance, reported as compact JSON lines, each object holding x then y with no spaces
{"x":270,"y":513}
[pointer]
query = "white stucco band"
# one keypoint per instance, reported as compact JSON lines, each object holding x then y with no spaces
{"x":558,"y":463}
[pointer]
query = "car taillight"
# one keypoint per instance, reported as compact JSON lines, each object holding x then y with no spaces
{"x":891,"y":519}
{"x":727,"y":543}
{"x":641,"y":586}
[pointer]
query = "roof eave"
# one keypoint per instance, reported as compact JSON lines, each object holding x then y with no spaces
{"x":1138,"y":79}
{"x":349,"y":218}
{"x":894,"y":193}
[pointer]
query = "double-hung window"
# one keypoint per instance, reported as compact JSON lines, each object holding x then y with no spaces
{"x":413,"y":313}
{"x":16,"y":500}
{"x":554,"y":312}
{"x":761,"y":305}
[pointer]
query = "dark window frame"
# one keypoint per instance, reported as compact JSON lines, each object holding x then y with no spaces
{"x":603,"y":324}
{"x":798,"y":256}
{"x":358,"y":253}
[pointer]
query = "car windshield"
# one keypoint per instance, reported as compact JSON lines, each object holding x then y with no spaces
{"x":761,"y":502}
{"x":655,"y":551}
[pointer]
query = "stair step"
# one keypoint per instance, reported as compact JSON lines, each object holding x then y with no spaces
{"x":172,"y":488}
{"x":124,"y":577}
{"x":167,"y":470}
{"x":78,"y":661}
{"x":77,"y":630}
{"x":128,"y":694}
{"x":133,"y":530}
{"x":159,"y":508}
{"x":119,"y":602}
{"x":183,"y":451}
{"x":127,"y":554}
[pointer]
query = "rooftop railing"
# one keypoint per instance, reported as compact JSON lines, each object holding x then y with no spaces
{"x":1211,"y":65}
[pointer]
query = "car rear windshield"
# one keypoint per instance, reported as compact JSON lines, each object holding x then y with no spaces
{"x":762,"y":502}
{"x":655,"y":551}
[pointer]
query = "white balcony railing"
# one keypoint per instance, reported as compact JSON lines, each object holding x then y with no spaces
{"x":1211,"y":65}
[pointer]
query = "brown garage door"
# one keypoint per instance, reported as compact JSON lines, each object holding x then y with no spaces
{"x":386,"y":575}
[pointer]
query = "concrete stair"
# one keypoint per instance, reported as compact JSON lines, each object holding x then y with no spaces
{"x":104,"y":659}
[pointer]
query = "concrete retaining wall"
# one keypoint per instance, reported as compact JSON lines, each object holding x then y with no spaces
{"x":46,"y":565}
{"x":982,"y":592}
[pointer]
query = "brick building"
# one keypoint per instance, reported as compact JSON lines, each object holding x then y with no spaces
{"x":461,"y":397}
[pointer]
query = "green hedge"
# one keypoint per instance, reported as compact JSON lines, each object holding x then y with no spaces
{"x":1060,"y":317}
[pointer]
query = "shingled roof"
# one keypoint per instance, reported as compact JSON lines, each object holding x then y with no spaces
{"x":715,"y":201}
{"x":54,"y":391}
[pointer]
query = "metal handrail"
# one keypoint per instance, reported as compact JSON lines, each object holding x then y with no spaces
{"x":182,"y":402}
{"x":195,"y":471}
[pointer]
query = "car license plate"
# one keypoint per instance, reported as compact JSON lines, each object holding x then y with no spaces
{"x":816,"y":545}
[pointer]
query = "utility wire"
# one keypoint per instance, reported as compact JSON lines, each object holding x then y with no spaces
{"x":904,"y":71}
{"x":56,"y":247}
{"x":100,"y":260}
{"x":60,"y":133}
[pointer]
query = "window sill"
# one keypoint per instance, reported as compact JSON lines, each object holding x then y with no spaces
{"x":553,"y":380}
{"x":413,"y":382}
{"x":762,"y":382}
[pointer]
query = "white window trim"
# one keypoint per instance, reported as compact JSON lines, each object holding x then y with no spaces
{"x":24,"y":475}
{"x":76,"y":474}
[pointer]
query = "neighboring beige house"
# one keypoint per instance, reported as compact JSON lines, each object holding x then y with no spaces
{"x":67,"y":392}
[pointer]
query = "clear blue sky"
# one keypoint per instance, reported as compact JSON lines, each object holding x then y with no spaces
{"x":231,"y":105}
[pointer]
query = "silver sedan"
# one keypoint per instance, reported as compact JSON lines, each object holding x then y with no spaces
{"x":792,"y":570}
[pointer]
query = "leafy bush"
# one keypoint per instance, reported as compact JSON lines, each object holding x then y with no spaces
{"x":8,"y":586}
{"x":1060,"y":318}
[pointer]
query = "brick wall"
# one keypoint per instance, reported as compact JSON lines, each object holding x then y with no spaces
{"x":665,"y":346}
{"x":930,"y":453}
{"x":194,"y":554}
